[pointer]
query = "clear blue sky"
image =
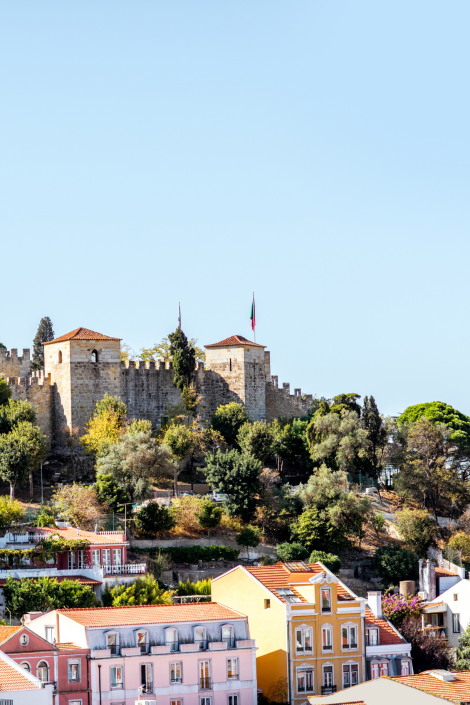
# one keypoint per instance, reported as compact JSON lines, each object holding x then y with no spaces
{"x":314,"y":152}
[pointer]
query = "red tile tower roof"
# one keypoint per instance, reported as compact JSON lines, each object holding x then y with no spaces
{"x":234,"y":340}
{"x":80,"y":334}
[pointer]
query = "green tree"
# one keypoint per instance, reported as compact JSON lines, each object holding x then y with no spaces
{"x":36,"y":443}
{"x":135,"y":463}
{"x":460,"y":542}
{"x":346,"y":402}
{"x":438,"y":412}
{"x":161,"y":351}
{"x":152,"y":519}
{"x":228,"y":419}
{"x":392,"y":563}
{"x":338,"y":440}
{"x":109,"y":492}
{"x":106,"y":426}
{"x":178,"y":438}
{"x":184,"y":359}
{"x":44,"y":593}
{"x":249,"y":538}
{"x":256,"y":439}
{"x":290,"y":443}
{"x":78,"y":505}
{"x":377,"y":522}
{"x":201,"y":587}
{"x":5,"y":392}
{"x":13,"y":412}
{"x":417,"y":529}
{"x":462,"y":656}
{"x":291,"y":552}
{"x":236,"y":475}
{"x":142,"y":591}
{"x":45,"y":517}
{"x":329,"y":560}
{"x":14,"y":460}
{"x":377,"y":434}
{"x":44,"y":334}
{"x":209,"y":516}
{"x":10,"y":513}
{"x":2,"y":346}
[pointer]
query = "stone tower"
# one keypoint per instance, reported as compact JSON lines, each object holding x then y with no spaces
{"x":83,"y":365}
{"x":245,"y":367}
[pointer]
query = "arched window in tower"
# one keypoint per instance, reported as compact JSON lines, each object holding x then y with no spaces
{"x":94,"y":356}
{"x":59,"y":356}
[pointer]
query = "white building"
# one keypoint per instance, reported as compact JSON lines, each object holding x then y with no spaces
{"x":449,"y":614}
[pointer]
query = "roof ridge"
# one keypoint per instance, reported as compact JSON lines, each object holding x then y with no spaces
{"x":128,"y":607}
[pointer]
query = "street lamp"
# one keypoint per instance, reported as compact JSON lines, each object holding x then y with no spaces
{"x":42,"y":488}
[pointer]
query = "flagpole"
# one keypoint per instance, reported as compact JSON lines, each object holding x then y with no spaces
{"x":254,"y":319}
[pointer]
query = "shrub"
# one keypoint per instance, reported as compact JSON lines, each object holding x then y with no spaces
{"x":144,"y":590}
{"x":193,"y":554}
{"x":249,"y":538}
{"x":329,"y":560}
{"x":11,"y":512}
{"x":45,"y":517}
{"x":428,"y":652}
{"x":460,"y":543}
{"x":210,"y":516}
{"x":417,"y":529}
{"x":186,"y":511}
{"x":202,"y":587}
{"x":267,"y":560}
{"x":154,"y":518}
{"x":228,"y":419}
{"x":291,"y":552}
{"x":398,"y":608}
{"x":377,"y":522}
{"x":393,"y":563}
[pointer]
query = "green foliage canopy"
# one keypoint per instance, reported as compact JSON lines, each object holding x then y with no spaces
{"x":418,"y":530}
{"x":393,"y":563}
{"x":329,"y":560}
{"x":439,"y":412}
{"x":44,"y":334}
{"x":228,"y":420}
{"x":256,"y":439}
{"x":184,"y":359}
{"x":291,"y":552}
{"x":43,"y":593}
{"x":109,"y":492}
{"x":10,"y":513}
{"x":142,"y":591}
{"x":209,"y":516}
{"x":154,"y":518}
{"x":236,"y":475}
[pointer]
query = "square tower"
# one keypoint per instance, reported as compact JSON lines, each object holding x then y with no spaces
{"x":83,"y":365}
{"x":242,"y":364}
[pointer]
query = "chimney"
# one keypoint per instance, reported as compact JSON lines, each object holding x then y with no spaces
{"x":374,"y":600}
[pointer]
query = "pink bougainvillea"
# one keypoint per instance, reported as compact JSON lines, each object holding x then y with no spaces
{"x":399,"y":607}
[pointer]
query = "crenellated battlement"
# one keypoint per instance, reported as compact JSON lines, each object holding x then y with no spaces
{"x":14,"y":365}
{"x":281,"y":403}
{"x":36,"y":388}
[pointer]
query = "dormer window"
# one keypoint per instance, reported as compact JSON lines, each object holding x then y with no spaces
{"x":112,"y":643}
{"x":200,"y":637}
{"x":325,"y":597}
{"x":288,"y":595}
{"x":142,"y":641}
{"x":171,"y":639}
{"x":227,"y":635}
{"x":94,"y":356}
{"x":372,"y":636}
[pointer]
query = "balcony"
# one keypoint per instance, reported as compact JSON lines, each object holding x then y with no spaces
{"x":172,"y":645}
{"x":114,"y":649}
{"x":146,"y":688}
{"x":117,"y":684}
{"x":229,"y":643}
{"x":144,"y":648}
{"x":201,"y":644}
{"x":125,"y":569}
{"x":328,"y":689}
{"x":205,"y":683}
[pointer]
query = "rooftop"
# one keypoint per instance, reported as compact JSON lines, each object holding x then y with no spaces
{"x":90,"y":536}
{"x":234,"y":340}
{"x":150,"y":614}
{"x":434,"y":683}
{"x":12,"y":679}
{"x":388,"y":634}
{"x":80,"y":334}
{"x":83,"y":580}
{"x":7,"y":631}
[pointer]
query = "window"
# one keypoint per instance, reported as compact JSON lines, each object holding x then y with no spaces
{"x":96,"y":557}
{"x":205,"y":701}
{"x":176,"y":672}
{"x":117,"y":556}
{"x":178,"y":702}
{"x":80,"y":559}
{"x":305,"y":680}
{"x":112,"y":643}
{"x":43,"y":671}
{"x":288,"y":595}
{"x":456,"y":623}
{"x":325,"y":596}
{"x":24,"y":639}
{"x":227,"y":635}
{"x":74,"y":702}
{"x":348,"y":637}
{"x":456,"y":597}
{"x":232,"y":668}
{"x":94,"y":356}
{"x":50,"y":634}
{"x":71,"y":560}
{"x":405,"y":668}
{"x":327,"y":675}
{"x":350,"y":675}
{"x":204,"y":674}
{"x":117,"y":677}
{"x":59,"y":357}
{"x":327,"y":638}
{"x":303,"y":640}
{"x":146,"y":677}
{"x":172,"y":639}
{"x":233,"y":699}
{"x":200,"y":637}
{"x":26,"y":666}
{"x":106,"y":556}
{"x":267,"y":604}
{"x":230,"y":364}
{"x":74,"y":671}
{"x":372,"y":637}
{"x":384,"y":668}
{"x":374,"y":671}
{"x":142,"y":641}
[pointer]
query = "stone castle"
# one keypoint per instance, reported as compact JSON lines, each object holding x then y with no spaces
{"x":81,"y":366}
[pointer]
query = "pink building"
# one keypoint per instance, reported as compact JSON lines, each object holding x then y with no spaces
{"x":190,"y":654}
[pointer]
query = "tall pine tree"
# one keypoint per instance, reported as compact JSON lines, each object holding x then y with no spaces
{"x":44,"y":334}
{"x":184,"y":359}
{"x":462,"y":656}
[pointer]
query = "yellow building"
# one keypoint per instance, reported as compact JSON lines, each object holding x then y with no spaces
{"x":307,"y":625}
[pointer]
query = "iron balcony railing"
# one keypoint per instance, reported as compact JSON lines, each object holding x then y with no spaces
{"x":205,"y":683}
{"x":173,"y":645}
{"x":328,"y":689}
{"x":114,"y":649}
{"x":144,"y":648}
{"x":117,"y":684}
{"x":202,"y":644}
{"x":146,"y":688}
{"x":230,"y":643}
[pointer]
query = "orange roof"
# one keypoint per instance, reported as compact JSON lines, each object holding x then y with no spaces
{"x":80,"y":334}
{"x":60,"y":578}
{"x":7,"y":632}
{"x":11,"y":679}
{"x":234,"y":340}
{"x":282,"y":575}
{"x":457,"y":690}
{"x":89,"y":536}
{"x":387,"y":633}
{"x":70,"y":647}
{"x":443,"y":572}
{"x":150,"y":614}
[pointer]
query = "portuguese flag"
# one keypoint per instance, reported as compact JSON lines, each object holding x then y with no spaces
{"x":253,"y":316}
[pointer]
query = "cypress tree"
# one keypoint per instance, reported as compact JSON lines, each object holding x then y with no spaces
{"x":462,"y":657}
{"x":44,"y":334}
{"x":184,"y":359}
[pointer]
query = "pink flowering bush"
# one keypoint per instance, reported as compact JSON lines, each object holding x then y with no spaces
{"x":398,"y":608}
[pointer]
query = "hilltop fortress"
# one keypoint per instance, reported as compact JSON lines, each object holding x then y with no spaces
{"x":81,"y":366}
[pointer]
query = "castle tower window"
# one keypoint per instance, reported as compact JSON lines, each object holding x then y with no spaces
{"x":230,"y":364}
{"x":94,"y":356}
{"x":60,"y":356}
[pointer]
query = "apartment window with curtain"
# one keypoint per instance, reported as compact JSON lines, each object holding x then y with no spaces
{"x":384,"y":668}
{"x":456,"y":623}
{"x":74,"y":670}
{"x":112,"y":643}
{"x":304,"y":680}
{"x":348,"y":637}
{"x":232,"y":668}
{"x":205,"y":675}
{"x":146,"y":677}
{"x":96,"y":557}
{"x":142,"y":641}
{"x":327,"y":638}
{"x":117,"y":677}
{"x":117,"y":554}
{"x":171,"y":639}
{"x":304,"y":640}
{"x":350,"y":675}
{"x":325,"y":597}
{"x":176,"y":672}
{"x":176,"y":702}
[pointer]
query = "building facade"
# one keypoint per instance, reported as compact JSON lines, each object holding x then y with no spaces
{"x":191,"y":654}
{"x":19,"y":687}
{"x":387,"y":651}
{"x":82,"y":366}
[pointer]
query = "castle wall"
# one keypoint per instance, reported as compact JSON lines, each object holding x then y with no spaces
{"x":14,"y":365}
{"x":147,"y":388}
{"x":36,"y":389}
{"x":280,"y":403}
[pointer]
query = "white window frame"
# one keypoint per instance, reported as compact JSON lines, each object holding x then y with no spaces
{"x":28,"y":670}
{"x":225,"y":639}
{"x":209,"y":670}
{"x":71,"y":560}
{"x":204,"y":700}
{"x":329,"y":629}
{"x":350,"y":626}
{"x":117,"y":553}
{"x":81,"y":559}
{"x":96,"y":553}
{"x":330,"y":610}
{"x":106,"y":556}
{"x":48,"y":670}
{"x":407,"y":664}
{"x":349,"y":665}
{"x":121,"y":685}
{"x":176,"y":701}
{"x":456,"y":619}
{"x":376,"y":631}
{"x":173,"y":642}
{"x":116,"y":644}
{"x":303,"y":629}
{"x":144,"y":643}
{"x":327,"y":665}
{"x":74,"y":662}
{"x":74,"y":702}
{"x":47,"y":628}
{"x":375,"y":666}
{"x":180,"y":664}
{"x":148,"y":667}
{"x":236,"y":677}
{"x":201,"y":641}
{"x":232,"y":696}
{"x":382,"y":664}
{"x":305,"y":668}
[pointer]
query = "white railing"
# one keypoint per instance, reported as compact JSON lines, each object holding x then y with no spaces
{"x":125,"y":569}
{"x":107,"y":533}
{"x":31,"y":537}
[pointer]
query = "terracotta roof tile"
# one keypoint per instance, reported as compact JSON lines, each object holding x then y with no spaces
{"x":443,"y":572}
{"x":80,"y":334}
{"x":387,"y":633}
{"x":234,"y":340}
{"x":457,"y":690}
{"x":8,"y":631}
{"x":70,"y":647}
{"x":90,"y":536}
{"x":150,"y":614}
{"x":11,"y":679}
